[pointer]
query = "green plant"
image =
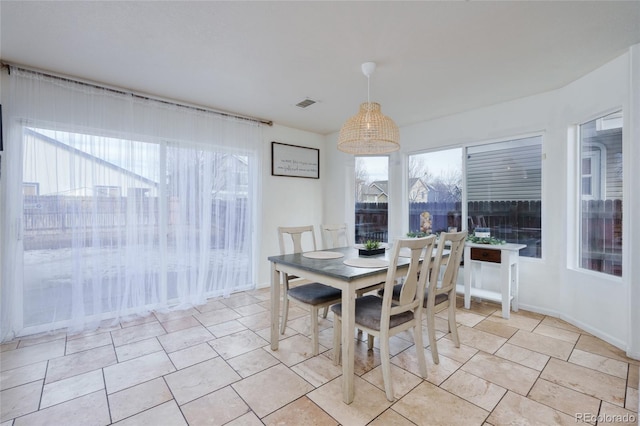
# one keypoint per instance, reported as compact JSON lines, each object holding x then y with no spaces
{"x":485,"y":240}
{"x":416,"y":234}
{"x":371,"y":245}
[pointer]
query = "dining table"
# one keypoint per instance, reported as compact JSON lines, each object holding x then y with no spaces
{"x":344,"y":269}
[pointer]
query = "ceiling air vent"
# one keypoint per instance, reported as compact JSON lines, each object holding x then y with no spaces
{"x":306,"y":103}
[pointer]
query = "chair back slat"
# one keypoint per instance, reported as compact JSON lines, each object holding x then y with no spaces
{"x":295,"y":233}
{"x":335,"y":235}
{"x":453,"y":242}
{"x":412,"y":291}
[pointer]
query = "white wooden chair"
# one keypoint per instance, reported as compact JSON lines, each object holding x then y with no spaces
{"x":334,"y":235}
{"x":441,"y":292}
{"x":314,"y":295}
{"x":382,"y":317}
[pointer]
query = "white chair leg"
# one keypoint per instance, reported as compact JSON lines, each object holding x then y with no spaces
{"x":417,"y":337}
{"x":370,"y":342}
{"x":337,"y":331}
{"x":314,"y":330}
{"x":453,"y":327}
{"x":285,"y":313}
{"x":325,"y":312}
{"x":431,"y":329}
{"x":386,"y":366}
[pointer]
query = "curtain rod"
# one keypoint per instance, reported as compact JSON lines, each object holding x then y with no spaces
{"x":132,"y":93}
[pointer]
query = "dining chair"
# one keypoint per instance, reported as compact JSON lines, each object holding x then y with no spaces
{"x":382,"y":317}
{"x":334,"y":235}
{"x":441,"y":291}
{"x":312,"y":294}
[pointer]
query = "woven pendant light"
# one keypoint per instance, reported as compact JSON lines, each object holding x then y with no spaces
{"x":369,"y":131}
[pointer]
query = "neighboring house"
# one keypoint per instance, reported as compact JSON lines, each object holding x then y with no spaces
{"x":110,"y":180}
{"x":418,"y":191}
{"x":602,"y":159}
{"x":230,"y":174}
{"x":444,"y":194}
{"x":375,"y":192}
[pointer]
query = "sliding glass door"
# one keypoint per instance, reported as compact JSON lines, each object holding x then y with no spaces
{"x":114,"y":227}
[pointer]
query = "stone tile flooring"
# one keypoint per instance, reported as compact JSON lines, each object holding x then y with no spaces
{"x":212,"y":365}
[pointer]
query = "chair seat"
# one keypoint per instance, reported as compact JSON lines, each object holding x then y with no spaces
{"x":314,"y":293}
{"x":440,"y":298}
{"x":369,"y":310}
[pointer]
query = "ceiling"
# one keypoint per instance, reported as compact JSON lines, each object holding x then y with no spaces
{"x":261,"y":58}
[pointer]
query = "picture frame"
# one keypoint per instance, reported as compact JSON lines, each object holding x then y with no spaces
{"x":295,"y":161}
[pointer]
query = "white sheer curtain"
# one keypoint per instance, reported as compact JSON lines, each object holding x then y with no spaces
{"x":116,"y":205}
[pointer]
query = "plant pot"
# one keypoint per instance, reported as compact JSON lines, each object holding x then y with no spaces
{"x":365,"y":252}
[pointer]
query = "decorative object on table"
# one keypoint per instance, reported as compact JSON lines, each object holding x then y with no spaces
{"x":295,"y":161}
{"x":417,"y":234}
{"x":425,"y":223}
{"x":485,"y":240}
{"x":371,"y":248}
{"x":369,"y":131}
{"x":482,"y":232}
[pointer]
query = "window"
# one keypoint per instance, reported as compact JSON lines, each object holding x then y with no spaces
{"x":504,"y":191}
{"x":30,"y":189}
{"x":435,"y":191}
{"x":592,"y":175}
{"x":371,"y":186}
{"x":126,"y":242}
{"x":107,"y":191}
{"x":600,"y":147}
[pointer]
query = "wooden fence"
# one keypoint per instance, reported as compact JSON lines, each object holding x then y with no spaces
{"x":48,"y":222}
{"x":513,"y":221}
{"x":602,"y":236}
{"x":51,"y":222}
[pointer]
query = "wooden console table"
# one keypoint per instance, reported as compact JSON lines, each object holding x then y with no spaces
{"x":506,"y":256}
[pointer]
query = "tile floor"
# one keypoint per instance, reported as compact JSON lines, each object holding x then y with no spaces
{"x":212,"y":365}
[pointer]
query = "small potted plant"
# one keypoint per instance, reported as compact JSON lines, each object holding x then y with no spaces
{"x":371,"y":248}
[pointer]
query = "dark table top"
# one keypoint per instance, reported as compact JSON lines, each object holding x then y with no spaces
{"x":335,"y":267}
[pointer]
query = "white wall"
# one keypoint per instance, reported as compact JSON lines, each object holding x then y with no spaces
{"x":287,"y":201}
{"x":593,"y":302}
{"x":633,"y":195}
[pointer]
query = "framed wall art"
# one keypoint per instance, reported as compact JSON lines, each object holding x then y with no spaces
{"x":294,"y":161}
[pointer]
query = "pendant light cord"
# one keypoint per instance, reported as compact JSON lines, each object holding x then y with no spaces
{"x":368,"y":120}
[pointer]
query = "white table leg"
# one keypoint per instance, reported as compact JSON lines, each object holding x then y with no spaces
{"x":348,"y":346}
{"x":275,"y":307}
{"x":467,"y":277}
{"x":505,"y":283}
{"x":514,"y":279}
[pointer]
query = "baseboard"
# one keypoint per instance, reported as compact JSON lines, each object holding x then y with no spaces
{"x":263,"y":285}
{"x":622,"y":345}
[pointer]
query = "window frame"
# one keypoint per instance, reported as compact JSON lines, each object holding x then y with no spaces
{"x":575,"y":212}
{"x":477,"y":146}
{"x":356,"y":236}
{"x":598,"y":174}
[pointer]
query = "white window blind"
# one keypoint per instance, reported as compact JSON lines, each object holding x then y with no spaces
{"x":505,"y":171}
